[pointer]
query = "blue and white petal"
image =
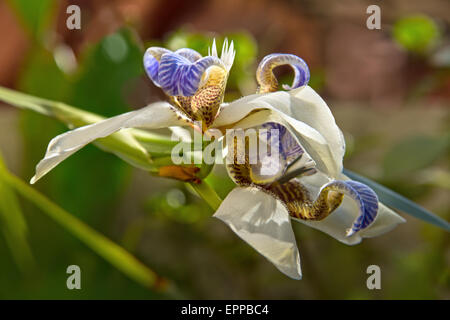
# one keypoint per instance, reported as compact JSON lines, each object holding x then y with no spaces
{"x":264,"y":223}
{"x":338,"y":222}
{"x":264,"y":72}
{"x":152,"y":59}
{"x":189,"y":54}
{"x":365,"y":198}
{"x":288,"y":155}
{"x":180,"y":73}
{"x":180,"y":77}
{"x":289,"y":148}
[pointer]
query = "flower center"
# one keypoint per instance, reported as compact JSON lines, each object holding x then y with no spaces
{"x":204,"y":105}
{"x":282,"y":183}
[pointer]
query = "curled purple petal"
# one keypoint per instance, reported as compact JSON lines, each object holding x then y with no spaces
{"x":189,"y":54}
{"x":365,"y":198}
{"x":180,"y":77}
{"x":152,"y":59}
{"x":266,"y":78}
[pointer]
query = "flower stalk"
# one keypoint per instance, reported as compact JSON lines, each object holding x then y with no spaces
{"x":132,"y":145}
{"x":207,"y":193}
{"x":111,"y":252}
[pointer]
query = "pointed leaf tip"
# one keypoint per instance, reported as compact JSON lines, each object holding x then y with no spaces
{"x":399,"y":202}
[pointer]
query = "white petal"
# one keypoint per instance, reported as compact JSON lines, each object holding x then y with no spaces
{"x":181,"y":134}
{"x":342,"y":218}
{"x":214,"y":49}
{"x":157,"y":115}
{"x":306,"y":112}
{"x":263,"y":222}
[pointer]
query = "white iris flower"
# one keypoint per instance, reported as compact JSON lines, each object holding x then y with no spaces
{"x":259,"y":212}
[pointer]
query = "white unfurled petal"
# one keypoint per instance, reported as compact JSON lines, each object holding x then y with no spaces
{"x":306,"y":112}
{"x":154,"y":116}
{"x":214,"y":49}
{"x":224,"y":48}
{"x":228,"y":54}
{"x":342,"y":218}
{"x":264,"y":223}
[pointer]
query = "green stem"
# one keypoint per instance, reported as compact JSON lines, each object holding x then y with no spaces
{"x":74,"y":117}
{"x":207,"y":193}
{"x":114,"y":254}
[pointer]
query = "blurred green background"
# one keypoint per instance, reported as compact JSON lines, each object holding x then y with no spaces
{"x":388,"y":89}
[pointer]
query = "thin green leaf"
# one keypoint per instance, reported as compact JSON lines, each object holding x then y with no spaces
{"x":35,"y":15}
{"x":397,"y":201}
{"x":111,"y":252}
{"x":207,"y":193}
{"x":413,"y":154}
{"x":124,"y":143}
{"x":14,"y":226}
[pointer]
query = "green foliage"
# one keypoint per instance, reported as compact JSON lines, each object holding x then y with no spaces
{"x":107,"y":249}
{"x":417,"y":33}
{"x":13,"y":225}
{"x":35,"y":15}
{"x":317,"y":80}
{"x":87,"y":87}
{"x":93,"y":193}
{"x":414,"y":153}
{"x":177,"y":204}
{"x":107,"y":74}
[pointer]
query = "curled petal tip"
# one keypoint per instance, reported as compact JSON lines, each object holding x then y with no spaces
{"x":151,"y":61}
{"x":368,"y":203}
{"x":33,"y":180}
{"x":267,"y":80}
{"x":189,"y":54}
{"x":180,"y":73}
{"x":349,"y":232}
{"x":214,"y":49}
{"x":364,"y":197}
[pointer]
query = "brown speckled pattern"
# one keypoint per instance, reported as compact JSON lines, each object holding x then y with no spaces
{"x":292,"y":194}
